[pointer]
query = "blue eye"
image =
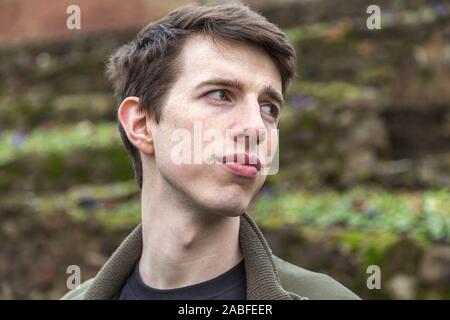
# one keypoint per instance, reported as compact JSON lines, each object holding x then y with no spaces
{"x":217,"y":94}
{"x":273,"y":110}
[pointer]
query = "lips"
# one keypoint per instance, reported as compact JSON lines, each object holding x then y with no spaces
{"x":242,"y":164}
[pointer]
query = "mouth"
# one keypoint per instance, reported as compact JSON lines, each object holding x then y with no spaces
{"x":242,"y":164}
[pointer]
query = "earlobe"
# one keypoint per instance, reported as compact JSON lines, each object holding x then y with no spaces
{"x":134,"y":122}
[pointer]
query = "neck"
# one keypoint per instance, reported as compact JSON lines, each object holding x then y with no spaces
{"x":183,"y":244}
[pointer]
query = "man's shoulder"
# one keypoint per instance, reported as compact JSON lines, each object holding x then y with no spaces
{"x":314,"y":285}
{"x":306,"y":283}
{"x":78,"y":292}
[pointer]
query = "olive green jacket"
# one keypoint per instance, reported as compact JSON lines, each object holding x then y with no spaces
{"x":268,"y":277}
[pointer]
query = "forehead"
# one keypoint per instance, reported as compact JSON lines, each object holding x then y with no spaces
{"x":203,"y":58}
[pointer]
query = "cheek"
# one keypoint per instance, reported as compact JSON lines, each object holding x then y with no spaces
{"x":179,"y":174}
{"x":174,"y":150}
{"x":268,"y":151}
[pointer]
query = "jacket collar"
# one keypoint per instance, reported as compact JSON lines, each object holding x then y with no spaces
{"x":263,"y":282}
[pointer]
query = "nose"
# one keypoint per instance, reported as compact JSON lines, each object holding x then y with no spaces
{"x":249,"y":125}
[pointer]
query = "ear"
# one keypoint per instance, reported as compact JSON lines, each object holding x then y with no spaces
{"x":134,"y":122}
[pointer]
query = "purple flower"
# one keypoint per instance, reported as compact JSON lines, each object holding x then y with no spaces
{"x":18,"y":139}
{"x":298,"y":101}
{"x":441,"y":9}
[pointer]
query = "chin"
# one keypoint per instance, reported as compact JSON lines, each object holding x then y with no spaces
{"x":233,"y":213}
{"x":222,"y":206}
{"x":232,"y":208}
{"x":224,"y":198}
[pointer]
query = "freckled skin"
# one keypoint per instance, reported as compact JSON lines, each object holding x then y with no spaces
{"x":210,"y":186}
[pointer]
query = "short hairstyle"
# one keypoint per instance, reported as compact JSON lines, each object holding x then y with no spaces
{"x":147,"y":66}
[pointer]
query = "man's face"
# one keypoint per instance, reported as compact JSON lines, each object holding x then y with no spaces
{"x":200,"y":102}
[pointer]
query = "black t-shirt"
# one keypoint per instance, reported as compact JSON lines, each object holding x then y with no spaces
{"x":230,"y":285}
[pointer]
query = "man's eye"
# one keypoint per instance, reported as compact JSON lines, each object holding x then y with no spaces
{"x":271,"y":110}
{"x":218,"y":95}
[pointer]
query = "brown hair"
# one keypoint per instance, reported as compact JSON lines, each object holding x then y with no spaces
{"x":147,"y":66}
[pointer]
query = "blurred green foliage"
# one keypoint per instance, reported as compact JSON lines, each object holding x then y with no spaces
{"x":425,"y":215}
{"x":364,"y":154}
{"x":83,"y":135}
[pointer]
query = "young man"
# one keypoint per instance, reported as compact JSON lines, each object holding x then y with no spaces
{"x":222,"y":68}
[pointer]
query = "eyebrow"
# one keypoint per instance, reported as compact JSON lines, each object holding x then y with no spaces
{"x":235,"y":83}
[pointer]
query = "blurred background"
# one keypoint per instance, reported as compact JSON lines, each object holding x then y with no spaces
{"x":364,"y":157}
